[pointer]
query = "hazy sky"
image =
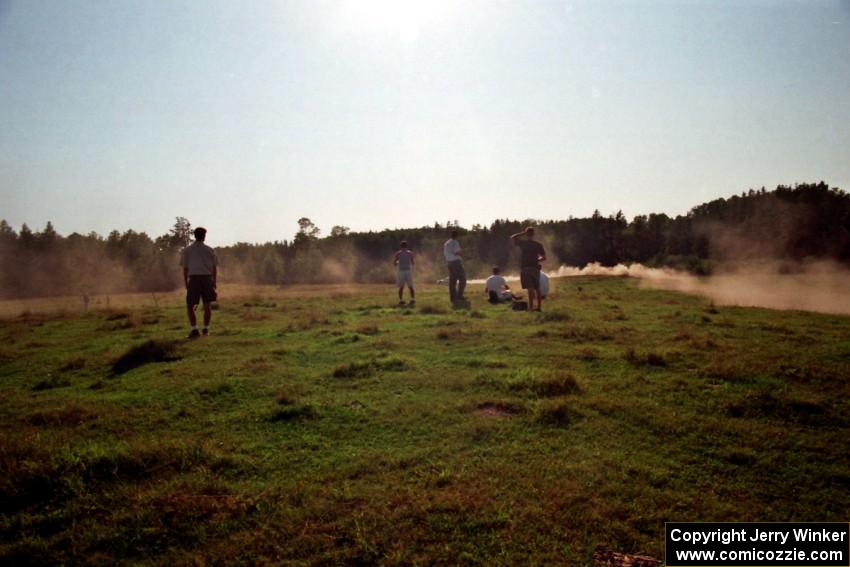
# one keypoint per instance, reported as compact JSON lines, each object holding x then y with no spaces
{"x":245,"y":116}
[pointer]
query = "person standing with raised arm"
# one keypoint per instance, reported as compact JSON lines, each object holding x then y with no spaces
{"x":454,"y":261}
{"x":404,"y":260}
{"x":531,"y":254}
{"x":200,"y":270}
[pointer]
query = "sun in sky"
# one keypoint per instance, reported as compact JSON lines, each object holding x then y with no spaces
{"x":406,"y":18}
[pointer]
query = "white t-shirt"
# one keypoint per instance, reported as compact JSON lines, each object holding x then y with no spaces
{"x":450,"y":250}
{"x":199,"y":258}
{"x":544,"y":284}
{"x":495,"y":283}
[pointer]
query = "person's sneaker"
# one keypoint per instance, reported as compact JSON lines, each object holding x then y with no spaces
{"x":412,"y":303}
{"x":205,"y":331}
{"x":194,"y":334}
{"x":401,"y":302}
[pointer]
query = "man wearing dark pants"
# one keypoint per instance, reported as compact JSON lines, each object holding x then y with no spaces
{"x":531,"y":254}
{"x":457,"y":275}
{"x":200,"y":269}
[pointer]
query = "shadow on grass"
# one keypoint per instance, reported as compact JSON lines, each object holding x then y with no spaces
{"x":145,"y":353}
{"x":294,"y":412}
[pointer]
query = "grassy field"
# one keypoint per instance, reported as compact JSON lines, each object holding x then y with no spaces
{"x":326,"y":425}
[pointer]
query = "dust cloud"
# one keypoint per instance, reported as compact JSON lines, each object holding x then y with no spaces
{"x":823,"y":287}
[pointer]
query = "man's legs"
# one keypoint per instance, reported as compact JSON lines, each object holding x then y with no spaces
{"x":207,"y":313}
{"x":193,"y":320}
{"x":401,"y":292}
{"x":453,"y":279}
{"x":412,"y":293}
{"x":462,"y":285}
{"x":536,"y":292}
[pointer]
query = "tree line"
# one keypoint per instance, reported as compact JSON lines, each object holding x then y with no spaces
{"x":790,"y":223}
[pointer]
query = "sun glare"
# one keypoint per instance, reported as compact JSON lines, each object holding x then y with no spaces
{"x":406,"y":18}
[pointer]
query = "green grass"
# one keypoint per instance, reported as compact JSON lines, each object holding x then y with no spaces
{"x":343,"y":429}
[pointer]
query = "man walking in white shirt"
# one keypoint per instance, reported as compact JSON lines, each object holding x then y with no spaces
{"x":200,"y":269}
{"x":403,"y":259}
{"x":457,"y":275}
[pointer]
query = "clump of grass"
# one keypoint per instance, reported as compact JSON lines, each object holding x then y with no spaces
{"x":156,"y":350}
{"x":357,"y":369}
{"x":728,"y":369}
{"x":588,"y":354}
{"x":285,"y":398}
{"x":683,"y":334}
{"x":117,"y":315}
{"x":250,"y":315}
{"x":448,"y":334}
{"x":559,"y":383}
{"x":477,"y":315}
{"x":432,"y":310}
{"x":581,"y":333}
{"x":51,"y":382}
{"x":739,"y":456}
{"x":70,"y":416}
{"x":645,"y":359}
{"x":369,"y":330}
{"x":76,"y":363}
{"x":616,"y":314}
{"x":259,"y":302}
{"x":500,"y":408}
{"x":364,"y":368}
{"x":215,"y":390}
{"x":392,"y":363}
{"x":483,"y":363}
{"x":257,"y":365}
{"x":294,"y":412}
{"x":555,"y":412}
{"x":31,"y":474}
{"x":765,"y":404}
{"x":553,"y":316}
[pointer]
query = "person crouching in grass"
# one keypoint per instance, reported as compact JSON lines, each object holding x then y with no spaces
{"x":200,"y":269}
{"x":532,"y":253}
{"x":497,"y":288}
{"x":404,"y":260}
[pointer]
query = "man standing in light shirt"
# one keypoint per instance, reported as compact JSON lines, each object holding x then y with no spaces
{"x":404,"y":260}
{"x":457,"y":275}
{"x":200,"y":269}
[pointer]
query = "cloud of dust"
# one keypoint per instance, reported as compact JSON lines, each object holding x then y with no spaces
{"x":336,"y":271}
{"x":815,"y":286}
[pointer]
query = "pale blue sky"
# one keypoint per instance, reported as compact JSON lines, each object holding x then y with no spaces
{"x":245,"y":116}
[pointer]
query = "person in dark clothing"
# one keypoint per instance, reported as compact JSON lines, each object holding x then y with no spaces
{"x":200,"y":271}
{"x":531,"y":254}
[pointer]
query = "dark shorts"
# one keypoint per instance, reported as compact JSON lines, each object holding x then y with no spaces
{"x":530,"y":278}
{"x":200,"y":287}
